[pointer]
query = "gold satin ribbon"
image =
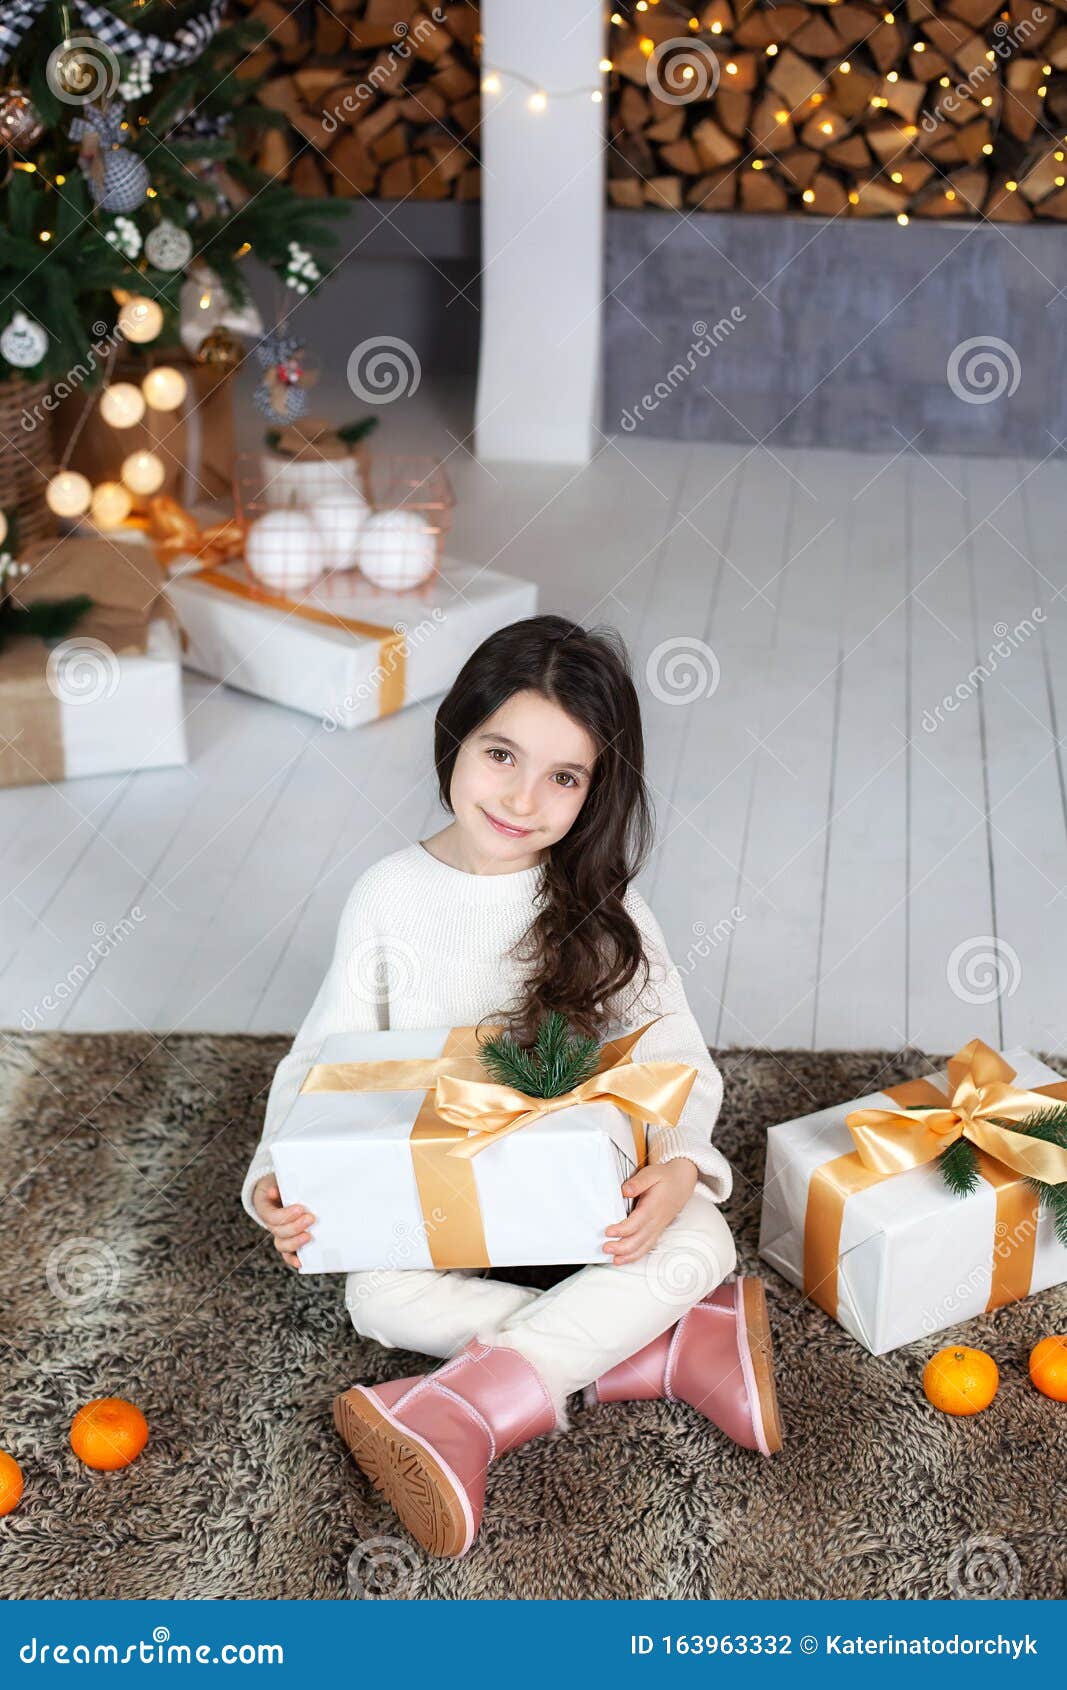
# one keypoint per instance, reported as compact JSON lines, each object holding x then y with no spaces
{"x":175,"y":532}
{"x":458,"y":1099}
{"x":889,"y":1142}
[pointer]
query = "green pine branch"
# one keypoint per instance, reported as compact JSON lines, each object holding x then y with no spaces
{"x":555,"y":1064}
{"x":959,"y":1167}
{"x":48,"y":619}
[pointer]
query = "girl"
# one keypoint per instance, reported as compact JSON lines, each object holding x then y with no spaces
{"x":523,"y":904}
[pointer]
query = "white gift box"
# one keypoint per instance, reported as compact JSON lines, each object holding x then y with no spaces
{"x":345,"y":677}
{"x":914,"y":1258}
{"x":545,"y":1192}
{"x":138,"y":725}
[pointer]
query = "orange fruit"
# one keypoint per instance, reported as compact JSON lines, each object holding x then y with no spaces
{"x":961,"y":1381}
{"x":108,"y":1433}
{"x":1048,"y":1366}
{"x":10,"y":1482}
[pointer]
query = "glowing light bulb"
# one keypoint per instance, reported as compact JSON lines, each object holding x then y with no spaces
{"x":140,"y":319}
{"x":68,"y":493}
{"x":122,"y":404}
{"x":164,"y":388}
{"x":111,"y":505}
{"x":538,"y":101}
{"x":143,"y":472}
{"x":490,"y":85}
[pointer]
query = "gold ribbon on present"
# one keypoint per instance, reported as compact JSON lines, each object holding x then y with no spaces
{"x":176,"y":533}
{"x":929,"y":1119}
{"x":458,"y":1100}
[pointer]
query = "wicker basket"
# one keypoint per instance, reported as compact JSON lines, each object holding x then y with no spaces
{"x":26,"y":458}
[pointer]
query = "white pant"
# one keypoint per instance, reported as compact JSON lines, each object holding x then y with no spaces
{"x":572,"y":1333}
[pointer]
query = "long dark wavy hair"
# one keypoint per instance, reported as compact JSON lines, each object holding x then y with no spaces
{"x":582,"y":945}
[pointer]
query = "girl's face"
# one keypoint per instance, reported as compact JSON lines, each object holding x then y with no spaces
{"x":519,"y":781}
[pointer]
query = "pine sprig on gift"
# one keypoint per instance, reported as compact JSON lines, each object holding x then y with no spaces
{"x":48,"y":619}
{"x":554,"y":1064}
{"x":959,"y":1167}
{"x":959,"y":1163}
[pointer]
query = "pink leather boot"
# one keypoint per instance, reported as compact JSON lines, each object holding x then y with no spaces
{"x":718,"y":1358}
{"x":426,"y":1442}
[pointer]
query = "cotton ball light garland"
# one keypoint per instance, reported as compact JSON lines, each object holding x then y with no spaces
{"x":143,"y":473}
{"x":285,"y":550}
{"x":140,"y":319}
{"x":397,"y":549}
{"x":164,"y":387}
{"x":68,"y":493}
{"x":340,"y":519}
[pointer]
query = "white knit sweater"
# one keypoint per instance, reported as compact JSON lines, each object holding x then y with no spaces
{"x":422,"y":944}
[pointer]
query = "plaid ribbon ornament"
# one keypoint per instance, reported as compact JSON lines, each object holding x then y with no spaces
{"x":186,"y":44}
{"x":118,"y":180}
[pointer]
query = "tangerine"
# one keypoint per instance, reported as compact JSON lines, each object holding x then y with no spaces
{"x":10,"y":1482}
{"x":1048,"y":1366}
{"x":958,"y":1380}
{"x":108,"y":1433}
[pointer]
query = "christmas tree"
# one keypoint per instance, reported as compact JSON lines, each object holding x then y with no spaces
{"x":125,"y":132}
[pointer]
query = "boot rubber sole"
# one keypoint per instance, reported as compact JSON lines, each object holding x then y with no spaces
{"x":761,"y":1350}
{"x":422,"y":1489}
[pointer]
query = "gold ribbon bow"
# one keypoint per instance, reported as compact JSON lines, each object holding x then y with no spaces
{"x":889,"y":1142}
{"x":646,"y":1091}
{"x":175,"y":532}
{"x":892,"y":1141}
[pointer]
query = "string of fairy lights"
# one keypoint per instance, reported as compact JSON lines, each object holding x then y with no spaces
{"x":540,"y":98}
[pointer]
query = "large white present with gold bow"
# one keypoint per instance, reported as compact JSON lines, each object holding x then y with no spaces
{"x":857,"y":1211}
{"x":410,"y":1157}
{"x":347,"y":657}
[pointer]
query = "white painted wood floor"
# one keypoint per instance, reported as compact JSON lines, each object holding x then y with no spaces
{"x":835,"y":866}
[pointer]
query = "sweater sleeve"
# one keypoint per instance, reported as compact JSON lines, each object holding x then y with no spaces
{"x":674,"y":1038}
{"x":347,"y":1001}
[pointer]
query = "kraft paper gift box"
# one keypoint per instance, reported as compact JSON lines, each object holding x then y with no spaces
{"x":368,"y":1148}
{"x":876,"y":1236}
{"x":341,"y":657}
{"x":108,"y":697}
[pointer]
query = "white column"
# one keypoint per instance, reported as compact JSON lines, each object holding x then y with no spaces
{"x":542,"y":233}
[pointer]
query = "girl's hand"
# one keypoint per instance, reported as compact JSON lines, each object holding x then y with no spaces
{"x":662,"y":1190}
{"x":288,"y":1225}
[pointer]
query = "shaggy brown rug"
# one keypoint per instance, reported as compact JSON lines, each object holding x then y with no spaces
{"x":131,"y":1270}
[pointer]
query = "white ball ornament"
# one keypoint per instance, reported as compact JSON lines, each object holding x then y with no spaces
{"x":168,"y":247}
{"x":143,"y":472}
{"x":122,"y":404}
{"x":285,"y":550}
{"x":164,"y":388}
{"x":397,"y":549}
{"x":68,"y":493}
{"x":140,"y":319}
{"x":23,"y":342}
{"x":340,"y":518}
{"x":111,"y":504}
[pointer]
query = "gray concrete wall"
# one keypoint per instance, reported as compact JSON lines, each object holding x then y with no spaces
{"x":835,"y":333}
